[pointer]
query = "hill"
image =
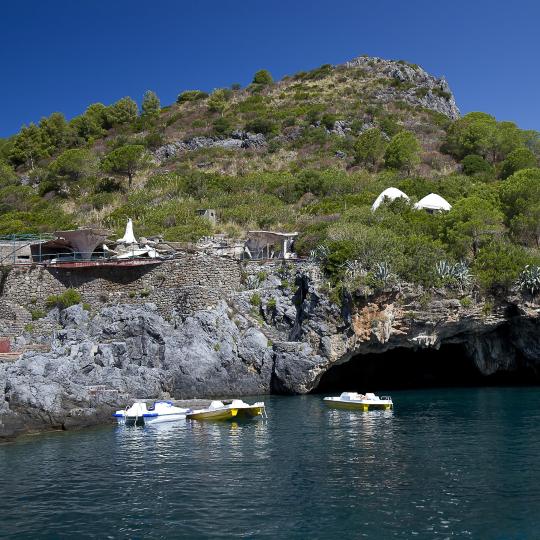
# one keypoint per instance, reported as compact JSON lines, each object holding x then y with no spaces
{"x":310,"y":153}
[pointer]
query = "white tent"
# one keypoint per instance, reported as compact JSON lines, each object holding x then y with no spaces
{"x":433,"y":203}
{"x":390,"y":194}
{"x":129,"y":237}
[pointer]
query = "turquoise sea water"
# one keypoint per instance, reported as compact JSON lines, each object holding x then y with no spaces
{"x":451,"y":463}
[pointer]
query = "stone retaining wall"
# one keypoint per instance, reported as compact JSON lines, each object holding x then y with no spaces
{"x":185,"y":284}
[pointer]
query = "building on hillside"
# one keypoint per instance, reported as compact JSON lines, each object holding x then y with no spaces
{"x":77,"y":244}
{"x":270,"y":245}
{"x":389,"y":194}
{"x":433,"y":203}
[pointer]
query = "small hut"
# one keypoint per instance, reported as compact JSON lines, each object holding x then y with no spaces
{"x":433,"y":203}
{"x":270,"y":245}
{"x":389,"y":194}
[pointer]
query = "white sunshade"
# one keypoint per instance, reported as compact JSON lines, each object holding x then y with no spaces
{"x":390,"y":194}
{"x":433,"y":202}
{"x":129,"y":237}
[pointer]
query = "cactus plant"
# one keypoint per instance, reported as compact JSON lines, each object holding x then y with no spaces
{"x":529,"y":279}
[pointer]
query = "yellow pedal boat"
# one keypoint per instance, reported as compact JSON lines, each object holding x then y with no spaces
{"x":237,"y":409}
{"x":359,"y":402}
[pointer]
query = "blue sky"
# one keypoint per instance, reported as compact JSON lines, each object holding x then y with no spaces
{"x":61,"y":55}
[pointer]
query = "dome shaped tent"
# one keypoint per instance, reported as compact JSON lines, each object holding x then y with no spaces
{"x":390,"y":194}
{"x":433,"y":203}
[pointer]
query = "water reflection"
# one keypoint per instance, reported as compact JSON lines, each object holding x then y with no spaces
{"x":457,"y":463}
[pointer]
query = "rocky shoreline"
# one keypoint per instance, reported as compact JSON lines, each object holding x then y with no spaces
{"x":275,"y":336}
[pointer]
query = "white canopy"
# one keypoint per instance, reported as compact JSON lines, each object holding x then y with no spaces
{"x":129,"y":237}
{"x":390,"y":194}
{"x":433,"y":202}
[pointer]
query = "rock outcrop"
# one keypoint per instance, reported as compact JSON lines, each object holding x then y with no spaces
{"x":411,"y":83}
{"x":238,"y":140}
{"x":280,"y":336}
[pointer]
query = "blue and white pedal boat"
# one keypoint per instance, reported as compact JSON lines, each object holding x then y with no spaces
{"x":161,"y":411}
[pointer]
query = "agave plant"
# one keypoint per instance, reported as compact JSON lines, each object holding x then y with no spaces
{"x":458,"y":272}
{"x":319,"y":254}
{"x":252,"y":282}
{"x":382,"y":272}
{"x":529,"y":279}
{"x":461,"y":273}
{"x":444,"y":269}
{"x":354,"y":269}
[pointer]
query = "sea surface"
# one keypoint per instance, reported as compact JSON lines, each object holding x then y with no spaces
{"x":446,"y":463}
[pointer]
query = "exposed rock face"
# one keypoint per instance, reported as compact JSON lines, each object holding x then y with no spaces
{"x":412,"y":84}
{"x":238,"y":139}
{"x":281,"y":336}
{"x":125,"y":352}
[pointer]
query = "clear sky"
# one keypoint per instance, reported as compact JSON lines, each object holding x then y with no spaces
{"x":61,"y":55}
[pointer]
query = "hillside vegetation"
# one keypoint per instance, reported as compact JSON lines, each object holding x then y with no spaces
{"x":308,"y":153}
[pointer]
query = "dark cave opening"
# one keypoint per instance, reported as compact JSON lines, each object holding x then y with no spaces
{"x":401,"y":368}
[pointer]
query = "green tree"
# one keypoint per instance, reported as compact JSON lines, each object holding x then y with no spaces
{"x":370,"y":148}
{"x":262,"y":78}
{"x":7,"y":174}
{"x":57,"y":131}
{"x":471,"y":134}
{"x":91,"y":124}
{"x":474,"y":164}
{"x":479,"y":133}
{"x":126,"y":160}
{"x":499,"y":264}
{"x":74,"y":164}
{"x":520,"y":196}
{"x":150,"y":105}
{"x":29,"y":146}
{"x":124,"y":111}
{"x":402,"y":152}
{"x":471,"y":222}
{"x":521,"y":158}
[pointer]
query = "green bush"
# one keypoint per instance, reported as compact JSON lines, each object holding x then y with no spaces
{"x":37,"y":314}
{"x":498,"y":266}
{"x":475,"y":164}
{"x":191,"y":95}
{"x":261,"y":125}
{"x":263,"y":78}
{"x":255,"y":300}
{"x":521,"y":158}
{"x":69,"y":297}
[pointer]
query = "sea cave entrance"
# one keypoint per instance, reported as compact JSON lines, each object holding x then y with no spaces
{"x":402,"y":368}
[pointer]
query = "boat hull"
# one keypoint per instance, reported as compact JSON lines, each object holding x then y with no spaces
{"x":250,"y":412}
{"x":146,"y":420}
{"x":220,"y":414}
{"x":357,"y":406}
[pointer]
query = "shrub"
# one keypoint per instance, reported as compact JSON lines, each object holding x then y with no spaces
{"x":263,"y":78}
{"x":69,"y":297}
{"x":255,"y":300}
{"x":402,"y":152}
{"x":529,"y":279}
{"x":498,"y":266}
{"x":521,"y":158}
{"x":261,"y":125}
{"x":191,"y":95}
{"x":475,"y":164}
{"x":370,"y":147}
{"x":221,"y":126}
{"x":37,"y":314}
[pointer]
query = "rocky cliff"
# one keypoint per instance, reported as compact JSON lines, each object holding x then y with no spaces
{"x":280,"y":334}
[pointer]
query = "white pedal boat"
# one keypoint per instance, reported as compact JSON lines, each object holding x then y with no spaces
{"x":360,"y":402}
{"x":161,"y":411}
{"x":236,"y":409}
